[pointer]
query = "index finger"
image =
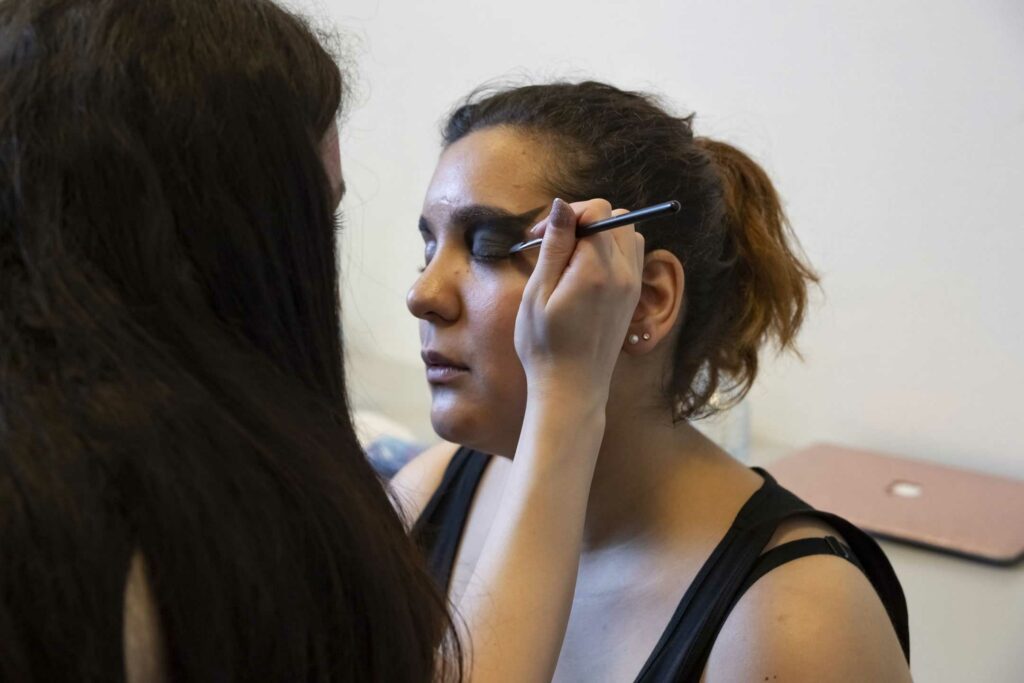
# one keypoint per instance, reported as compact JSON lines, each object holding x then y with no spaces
{"x":587,"y":212}
{"x":592,"y":211}
{"x":621,"y":240}
{"x":624,"y":235}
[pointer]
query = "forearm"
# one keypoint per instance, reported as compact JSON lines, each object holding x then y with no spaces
{"x":517,"y":605}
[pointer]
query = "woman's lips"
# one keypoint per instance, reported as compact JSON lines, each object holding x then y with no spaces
{"x":441,"y":369}
{"x":443,"y":374}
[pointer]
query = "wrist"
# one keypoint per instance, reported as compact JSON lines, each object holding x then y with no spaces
{"x":570,"y":423}
{"x":576,"y":390}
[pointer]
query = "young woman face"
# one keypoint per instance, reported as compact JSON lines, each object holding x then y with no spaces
{"x":486,"y":192}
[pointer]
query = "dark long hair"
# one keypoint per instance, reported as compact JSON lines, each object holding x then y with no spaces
{"x":171,"y":377}
{"x":746,"y":281}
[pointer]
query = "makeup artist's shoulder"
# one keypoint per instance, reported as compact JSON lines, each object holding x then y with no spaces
{"x":415,"y":483}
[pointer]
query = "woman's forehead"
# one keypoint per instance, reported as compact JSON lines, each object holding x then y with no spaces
{"x":495,"y":167}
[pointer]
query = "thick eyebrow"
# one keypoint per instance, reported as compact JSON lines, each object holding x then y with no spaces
{"x":492,"y":216}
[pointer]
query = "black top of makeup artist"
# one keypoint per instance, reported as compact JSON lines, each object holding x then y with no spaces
{"x":735,"y":564}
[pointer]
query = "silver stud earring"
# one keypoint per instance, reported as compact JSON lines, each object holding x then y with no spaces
{"x":633,"y":339}
{"x":647,"y":336}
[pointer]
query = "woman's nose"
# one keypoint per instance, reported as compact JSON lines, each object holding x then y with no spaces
{"x":434,"y":297}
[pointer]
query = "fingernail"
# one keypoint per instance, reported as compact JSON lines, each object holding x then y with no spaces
{"x":561,"y":213}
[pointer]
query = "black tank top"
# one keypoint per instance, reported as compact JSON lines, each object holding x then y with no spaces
{"x":734,"y":565}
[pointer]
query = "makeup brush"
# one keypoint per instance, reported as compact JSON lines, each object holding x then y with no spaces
{"x":638,"y":216}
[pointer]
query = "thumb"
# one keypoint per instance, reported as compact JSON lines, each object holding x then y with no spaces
{"x":557,"y":248}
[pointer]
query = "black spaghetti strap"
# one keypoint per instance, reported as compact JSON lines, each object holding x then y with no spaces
{"x":686,"y":645}
{"x":438,"y":531}
{"x":720,"y":575}
{"x":794,"y":550}
{"x":878,"y":570}
{"x":733,"y":566}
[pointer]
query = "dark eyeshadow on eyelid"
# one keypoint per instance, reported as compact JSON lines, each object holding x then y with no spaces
{"x":424,"y":226}
{"x":511,"y":231}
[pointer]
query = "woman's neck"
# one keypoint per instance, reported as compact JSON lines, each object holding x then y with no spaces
{"x":653,"y":476}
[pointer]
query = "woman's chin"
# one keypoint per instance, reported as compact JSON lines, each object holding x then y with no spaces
{"x":451,"y":427}
{"x":472,"y":431}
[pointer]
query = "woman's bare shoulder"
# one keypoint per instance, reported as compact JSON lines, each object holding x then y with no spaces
{"x":413,"y":486}
{"x":815,"y":618}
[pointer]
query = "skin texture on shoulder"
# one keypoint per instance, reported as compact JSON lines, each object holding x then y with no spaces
{"x":815,"y":618}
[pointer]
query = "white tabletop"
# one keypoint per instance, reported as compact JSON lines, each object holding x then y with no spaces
{"x":966,"y":618}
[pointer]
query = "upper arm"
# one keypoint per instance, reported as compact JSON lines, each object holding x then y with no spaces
{"x":816,"y":618}
{"x":412,"y":487}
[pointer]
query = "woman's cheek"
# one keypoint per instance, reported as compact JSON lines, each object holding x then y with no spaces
{"x":496,"y":310}
{"x":496,"y":303}
{"x":489,"y":416}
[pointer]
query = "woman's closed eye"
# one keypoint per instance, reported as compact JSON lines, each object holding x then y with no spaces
{"x":429,"y":247}
{"x":483,"y":244}
{"x":490,"y":245}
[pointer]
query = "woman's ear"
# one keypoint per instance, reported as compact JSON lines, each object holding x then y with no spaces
{"x":661,"y":298}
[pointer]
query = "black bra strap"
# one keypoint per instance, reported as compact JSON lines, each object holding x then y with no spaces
{"x":702,"y":619}
{"x":787,"y":552}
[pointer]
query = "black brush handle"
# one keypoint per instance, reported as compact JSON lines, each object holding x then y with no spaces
{"x":638,"y":216}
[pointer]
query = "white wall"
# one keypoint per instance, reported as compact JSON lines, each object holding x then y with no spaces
{"x":894,"y":130}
